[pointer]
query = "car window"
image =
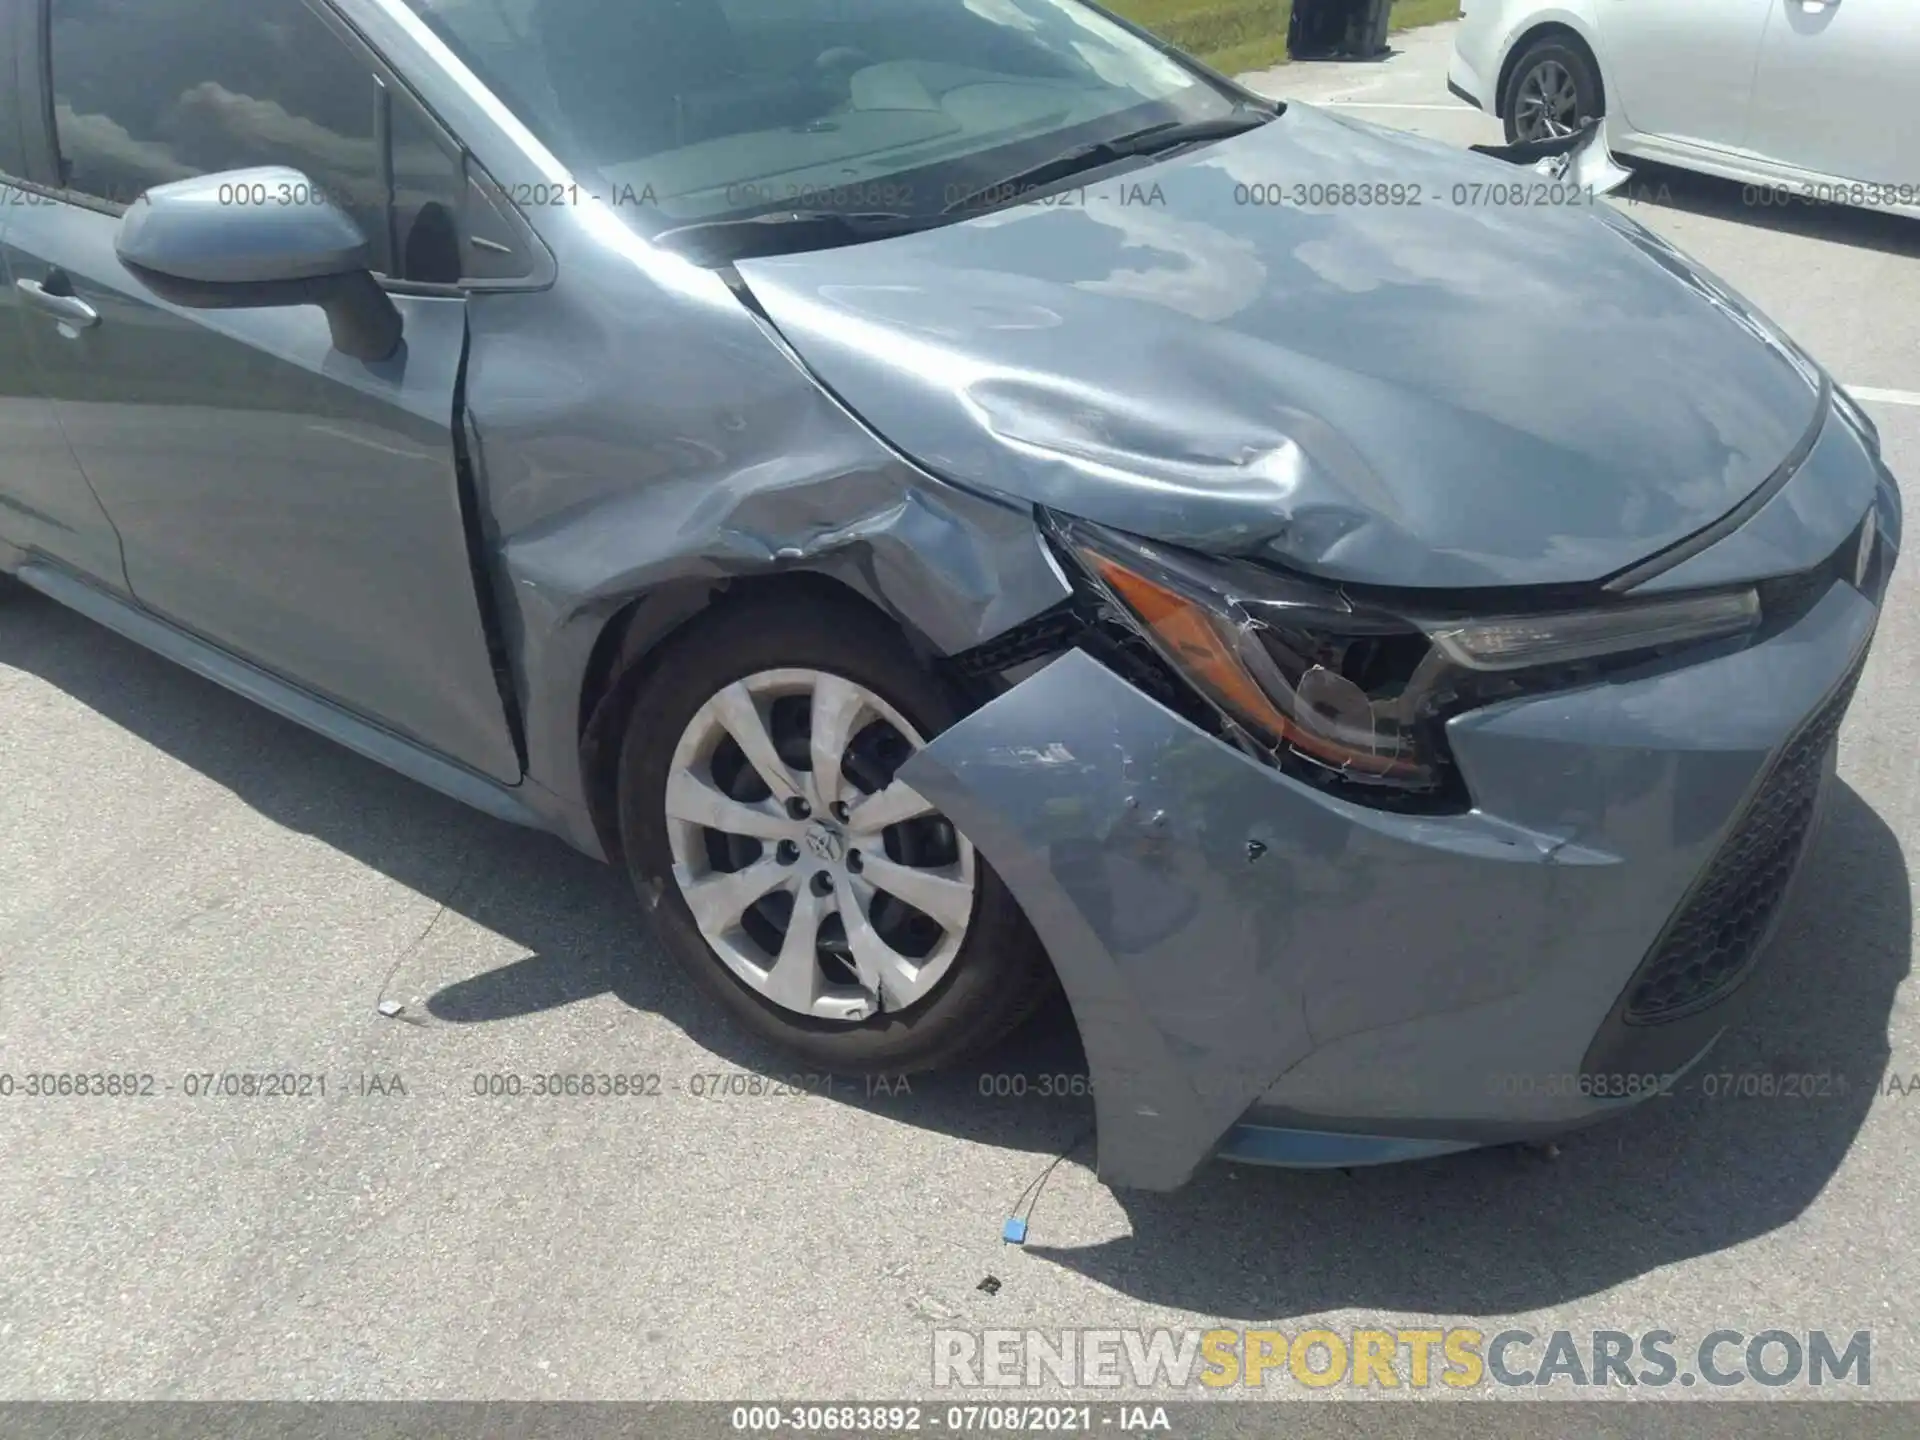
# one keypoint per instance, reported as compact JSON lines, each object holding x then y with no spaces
{"x":700,"y":109}
{"x":147,"y":91}
{"x":429,"y":195}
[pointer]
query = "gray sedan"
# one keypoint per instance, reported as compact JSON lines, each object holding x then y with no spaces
{"x":957,"y":499}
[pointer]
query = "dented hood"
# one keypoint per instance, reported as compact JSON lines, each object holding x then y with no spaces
{"x":1441,"y":378}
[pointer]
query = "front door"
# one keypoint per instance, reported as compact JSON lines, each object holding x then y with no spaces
{"x":292,"y":505}
{"x":46,"y":506}
{"x":1682,"y":69}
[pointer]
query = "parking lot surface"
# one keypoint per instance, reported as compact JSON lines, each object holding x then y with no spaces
{"x":191,"y":888}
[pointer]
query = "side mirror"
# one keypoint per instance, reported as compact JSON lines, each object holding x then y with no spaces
{"x":243,"y":239}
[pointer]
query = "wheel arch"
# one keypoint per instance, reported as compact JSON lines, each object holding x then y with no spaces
{"x":1563,"y":28}
{"x":630,"y":642}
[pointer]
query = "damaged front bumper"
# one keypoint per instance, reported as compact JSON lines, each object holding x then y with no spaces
{"x":1582,"y":159}
{"x":1261,"y":968}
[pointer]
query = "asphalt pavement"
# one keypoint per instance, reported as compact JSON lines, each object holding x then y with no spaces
{"x":190,"y":887}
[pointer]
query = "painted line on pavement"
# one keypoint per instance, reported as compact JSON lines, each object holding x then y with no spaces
{"x":1393,"y":105}
{"x":1883,"y":397}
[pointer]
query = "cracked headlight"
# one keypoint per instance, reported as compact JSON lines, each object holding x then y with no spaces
{"x":1352,"y":693}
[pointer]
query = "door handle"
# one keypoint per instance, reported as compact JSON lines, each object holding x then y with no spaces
{"x":68,"y":308}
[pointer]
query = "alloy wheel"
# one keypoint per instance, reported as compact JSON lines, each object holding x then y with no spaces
{"x":1547,"y":104}
{"x":822,"y":882}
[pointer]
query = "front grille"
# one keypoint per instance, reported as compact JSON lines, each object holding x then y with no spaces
{"x":1714,"y":938}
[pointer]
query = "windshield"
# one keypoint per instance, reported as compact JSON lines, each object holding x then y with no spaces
{"x":684,"y":111}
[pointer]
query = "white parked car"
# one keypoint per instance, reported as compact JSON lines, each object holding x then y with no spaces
{"x":1813,"y":100}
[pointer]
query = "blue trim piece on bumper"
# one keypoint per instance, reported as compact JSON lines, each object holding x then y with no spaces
{"x":1322,"y":1150}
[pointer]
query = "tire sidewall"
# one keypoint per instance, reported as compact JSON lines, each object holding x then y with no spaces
{"x":844,"y":640}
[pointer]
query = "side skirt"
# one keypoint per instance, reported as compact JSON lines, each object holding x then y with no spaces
{"x":290,"y":702}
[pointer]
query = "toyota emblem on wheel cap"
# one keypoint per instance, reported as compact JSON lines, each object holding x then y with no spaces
{"x":823,"y":844}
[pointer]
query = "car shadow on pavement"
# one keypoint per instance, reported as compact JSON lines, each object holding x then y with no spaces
{"x":1781,"y":208}
{"x":1491,"y":1231}
{"x":583,"y":930}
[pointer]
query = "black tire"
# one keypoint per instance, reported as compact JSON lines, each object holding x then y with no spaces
{"x":1539,"y":68}
{"x":1001,"y":973}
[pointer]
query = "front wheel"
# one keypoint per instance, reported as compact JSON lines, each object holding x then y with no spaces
{"x":823,"y":902}
{"x":1552,"y":90}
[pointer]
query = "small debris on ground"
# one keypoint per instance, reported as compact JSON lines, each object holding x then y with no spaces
{"x":391,"y":1008}
{"x":932,"y":1307}
{"x":991,"y":1285}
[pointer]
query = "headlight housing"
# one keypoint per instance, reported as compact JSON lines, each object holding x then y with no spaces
{"x":1858,"y":418}
{"x":1355,"y":696}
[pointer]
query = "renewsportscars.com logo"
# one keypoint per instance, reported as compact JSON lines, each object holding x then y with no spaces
{"x":1457,"y":1358}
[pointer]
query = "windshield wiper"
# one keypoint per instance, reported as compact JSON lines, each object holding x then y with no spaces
{"x":779,"y":231}
{"x":1153,"y":140}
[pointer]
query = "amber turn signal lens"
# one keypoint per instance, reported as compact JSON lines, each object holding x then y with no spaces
{"x":1190,"y":636}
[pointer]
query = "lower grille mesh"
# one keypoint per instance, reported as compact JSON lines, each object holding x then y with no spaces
{"x":1714,"y":938}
